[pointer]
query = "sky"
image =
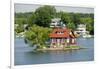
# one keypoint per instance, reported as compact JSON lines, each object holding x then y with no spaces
{"x":33,"y":7}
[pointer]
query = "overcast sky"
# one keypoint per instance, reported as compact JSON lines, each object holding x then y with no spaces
{"x":33,"y":7}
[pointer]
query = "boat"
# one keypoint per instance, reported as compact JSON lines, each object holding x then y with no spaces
{"x":86,"y":36}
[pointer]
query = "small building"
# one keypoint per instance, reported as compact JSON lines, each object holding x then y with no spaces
{"x":62,"y":37}
{"x":81,"y":30}
{"x":56,"y":22}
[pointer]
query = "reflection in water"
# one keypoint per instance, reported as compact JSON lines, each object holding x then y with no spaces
{"x":24,"y":54}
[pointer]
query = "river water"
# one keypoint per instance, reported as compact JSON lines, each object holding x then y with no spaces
{"x":23,"y":54}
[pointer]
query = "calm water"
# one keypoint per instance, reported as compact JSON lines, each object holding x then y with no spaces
{"x":25,"y":56}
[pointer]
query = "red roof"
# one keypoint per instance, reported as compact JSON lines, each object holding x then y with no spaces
{"x":61,"y":33}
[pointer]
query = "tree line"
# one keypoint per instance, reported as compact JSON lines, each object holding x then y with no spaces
{"x":43,"y":15}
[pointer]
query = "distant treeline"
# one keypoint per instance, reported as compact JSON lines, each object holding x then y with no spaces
{"x":43,"y":15}
{"x":26,"y":15}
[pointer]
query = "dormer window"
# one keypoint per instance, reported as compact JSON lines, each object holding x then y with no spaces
{"x":59,"y":32}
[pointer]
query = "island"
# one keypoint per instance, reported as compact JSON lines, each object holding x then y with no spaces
{"x":61,"y":37}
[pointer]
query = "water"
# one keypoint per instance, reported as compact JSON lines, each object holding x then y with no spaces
{"x":25,"y":56}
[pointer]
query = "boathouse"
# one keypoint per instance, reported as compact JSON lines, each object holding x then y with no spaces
{"x":62,"y":37}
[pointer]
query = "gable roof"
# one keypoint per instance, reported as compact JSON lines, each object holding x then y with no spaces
{"x":61,"y":33}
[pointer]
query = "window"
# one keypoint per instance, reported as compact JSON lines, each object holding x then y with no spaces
{"x":53,"y":40}
{"x":59,"y":32}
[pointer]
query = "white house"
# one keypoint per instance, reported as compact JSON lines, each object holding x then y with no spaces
{"x":81,"y":30}
{"x":56,"y":22}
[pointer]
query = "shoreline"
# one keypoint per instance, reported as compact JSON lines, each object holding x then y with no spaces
{"x":63,"y":49}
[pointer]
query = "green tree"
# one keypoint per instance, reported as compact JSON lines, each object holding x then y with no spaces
{"x":37,"y":35}
{"x":31,"y":19}
{"x":71,"y":26}
{"x":19,"y":28}
{"x":66,"y":18}
{"x":44,"y":15}
{"x":76,"y":18}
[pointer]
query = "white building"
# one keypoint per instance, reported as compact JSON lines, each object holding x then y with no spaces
{"x":81,"y":30}
{"x":56,"y":22}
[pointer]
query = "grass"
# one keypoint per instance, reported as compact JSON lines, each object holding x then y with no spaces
{"x":72,"y":46}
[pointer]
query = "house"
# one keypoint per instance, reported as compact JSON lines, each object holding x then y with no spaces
{"x":81,"y":30}
{"x":62,"y":37}
{"x":56,"y":22}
